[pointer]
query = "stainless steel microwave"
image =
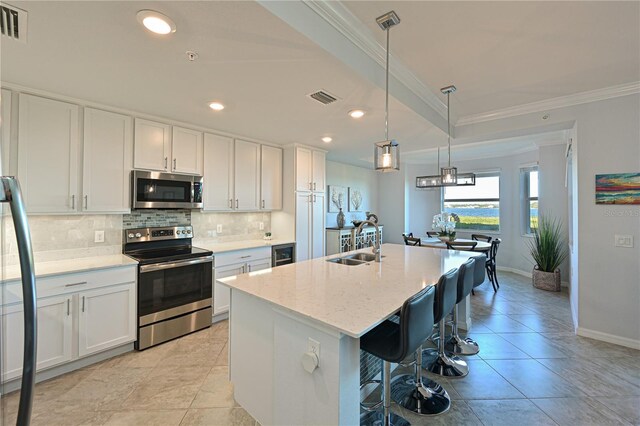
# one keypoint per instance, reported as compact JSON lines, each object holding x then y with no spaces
{"x":155,"y":190}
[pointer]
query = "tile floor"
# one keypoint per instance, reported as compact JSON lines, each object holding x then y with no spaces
{"x":531,"y":370}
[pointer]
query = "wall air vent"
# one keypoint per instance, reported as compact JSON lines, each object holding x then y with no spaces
{"x":323,"y":97}
{"x":13,"y":23}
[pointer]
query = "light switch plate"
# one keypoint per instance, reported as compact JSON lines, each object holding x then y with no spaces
{"x":624,"y":241}
{"x":261,"y":226}
{"x":219,"y":229}
{"x":99,"y":237}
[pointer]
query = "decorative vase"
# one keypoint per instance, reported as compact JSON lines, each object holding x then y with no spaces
{"x":340,"y":219}
{"x":549,"y":281}
{"x":446,"y":238}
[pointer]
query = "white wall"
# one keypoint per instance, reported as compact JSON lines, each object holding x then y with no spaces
{"x":607,"y":140}
{"x":392,"y":208}
{"x":422,"y":204}
{"x":356,"y":177}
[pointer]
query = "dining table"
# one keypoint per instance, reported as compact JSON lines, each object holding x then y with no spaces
{"x":482,"y":246}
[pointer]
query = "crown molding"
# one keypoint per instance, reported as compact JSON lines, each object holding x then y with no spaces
{"x":347,"y":24}
{"x":553,"y":103}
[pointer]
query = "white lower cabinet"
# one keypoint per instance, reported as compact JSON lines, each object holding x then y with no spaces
{"x":79,"y":315}
{"x":236,"y":263}
{"x":55,"y":327}
{"x":107,"y":318}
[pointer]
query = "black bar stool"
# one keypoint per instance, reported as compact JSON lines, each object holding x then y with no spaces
{"x":436,"y":360}
{"x":456,"y":344}
{"x":392,"y":342}
{"x":479,"y":271}
{"x":415,"y":392}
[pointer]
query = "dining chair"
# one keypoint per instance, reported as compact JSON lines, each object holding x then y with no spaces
{"x":491,"y":264}
{"x":432,"y":234}
{"x":461,"y":245}
{"x":410,"y":240}
{"x":481,"y":237}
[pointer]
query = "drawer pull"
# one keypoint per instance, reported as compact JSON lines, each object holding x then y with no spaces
{"x":245,"y":257}
{"x":82,"y":303}
{"x":68,"y":303}
{"x":75,"y":284}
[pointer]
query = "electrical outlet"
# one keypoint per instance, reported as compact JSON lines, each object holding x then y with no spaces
{"x":624,"y":241}
{"x":219,"y":229}
{"x":210,"y":233}
{"x":261,"y":226}
{"x":313,"y":346}
{"x":99,"y":237}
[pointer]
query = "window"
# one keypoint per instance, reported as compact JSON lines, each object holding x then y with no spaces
{"x":529,"y":179}
{"x":477,"y":206}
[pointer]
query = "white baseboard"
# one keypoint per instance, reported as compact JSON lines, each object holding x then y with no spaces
{"x":527,"y":274}
{"x":609,"y":338}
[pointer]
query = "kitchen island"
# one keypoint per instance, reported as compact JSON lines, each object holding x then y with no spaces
{"x":277,"y":315}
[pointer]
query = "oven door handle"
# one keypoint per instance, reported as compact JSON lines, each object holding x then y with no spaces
{"x":179,"y":263}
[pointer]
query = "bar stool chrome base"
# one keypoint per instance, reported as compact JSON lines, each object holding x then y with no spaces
{"x":426,"y":399}
{"x":448,"y":366}
{"x":376,"y":418}
{"x":459,"y":346}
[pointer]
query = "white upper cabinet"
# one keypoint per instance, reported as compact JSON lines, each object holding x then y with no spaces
{"x":218,"y":173}
{"x":247,"y":175}
{"x":310,"y":170}
{"x":186,"y":150}
{"x":304,"y":173}
{"x":318,"y":167}
{"x":271,"y":178}
{"x":108,"y":152}
{"x":152,"y":147}
{"x":317,"y":233}
{"x":48,"y":154}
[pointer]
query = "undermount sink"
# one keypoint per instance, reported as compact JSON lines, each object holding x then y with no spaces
{"x":347,"y":261}
{"x":365,"y":257}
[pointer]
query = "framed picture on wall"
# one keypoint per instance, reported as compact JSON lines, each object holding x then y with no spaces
{"x":337,"y":198}
{"x":618,"y":188}
{"x":355,"y":200}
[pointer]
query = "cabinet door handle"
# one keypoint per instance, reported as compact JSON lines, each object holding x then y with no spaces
{"x":314,"y":186}
{"x":310,"y":185}
{"x":82,"y":303}
{"x":166,"y":159}
{"x":75,"y":284}
{"x":68,"y":307}
{"x":263,"y":204}
{"x":230,"y":203}
{"x":86,"y":202}
{"x":245,"y":257}
{"x":236,"y":203}
{"x":249,"y":268}
{"x":73,"y":202}
{"x":175,"y":164}
{"x":314,"y":198}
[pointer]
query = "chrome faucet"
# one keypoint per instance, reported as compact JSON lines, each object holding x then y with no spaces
{"x":376,"y":246}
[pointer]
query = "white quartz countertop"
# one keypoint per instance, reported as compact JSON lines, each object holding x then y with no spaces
{"x":218,"y":247}
{"x":67,"y":266}
{"x":351,"y":299}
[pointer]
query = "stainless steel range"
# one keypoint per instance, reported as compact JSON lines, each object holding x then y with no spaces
{"x":174,"y":283}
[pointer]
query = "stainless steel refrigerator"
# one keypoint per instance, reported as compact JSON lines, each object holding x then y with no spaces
{"x":10,"y":194}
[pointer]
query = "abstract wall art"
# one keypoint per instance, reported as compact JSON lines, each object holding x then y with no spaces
{"x":618,"y":188}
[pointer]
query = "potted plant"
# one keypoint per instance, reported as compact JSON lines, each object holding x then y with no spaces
{"x":445,"y":224}
{"x":548,"y":249}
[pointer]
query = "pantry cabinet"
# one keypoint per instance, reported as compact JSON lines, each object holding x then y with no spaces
{"x":108,"y":153}
{"x":218,"y":173}
{"x":48,"y":150}
{"x":310,"y":169}
{"x":310,"y":219}
{"x":271,"y":178}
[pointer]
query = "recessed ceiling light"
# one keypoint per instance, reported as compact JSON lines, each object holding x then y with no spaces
{"x":356,"y":113}
{"x":326,"y":139}
{"x":216,"y":106}
{"x":156,"y":22}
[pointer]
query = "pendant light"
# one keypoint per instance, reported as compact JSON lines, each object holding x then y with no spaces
{"x":448,"y":175}
{"x":386,"y":153}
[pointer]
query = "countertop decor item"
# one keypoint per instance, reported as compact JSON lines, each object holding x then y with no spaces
{"x":337,"y":198}
{"x":386,"y":154}
{"x":548,"y":249}
{"x":445,"y":224}
{"x":340,"y":219}
{"x":356,"y":223}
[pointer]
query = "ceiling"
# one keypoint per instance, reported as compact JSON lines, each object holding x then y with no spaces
{"x":498,"y":55}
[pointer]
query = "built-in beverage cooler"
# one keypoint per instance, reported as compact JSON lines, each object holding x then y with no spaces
{"x":283,"y":254}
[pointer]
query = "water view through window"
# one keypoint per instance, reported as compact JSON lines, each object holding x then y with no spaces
{"x":477,"y":206}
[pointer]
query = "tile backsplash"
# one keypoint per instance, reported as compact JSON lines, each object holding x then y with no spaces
{"x":235,"y":226}
{"x":151,"y":218}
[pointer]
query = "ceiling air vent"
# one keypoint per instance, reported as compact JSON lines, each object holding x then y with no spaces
{"x":13,"y":23}
{"x":323,"y":97}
